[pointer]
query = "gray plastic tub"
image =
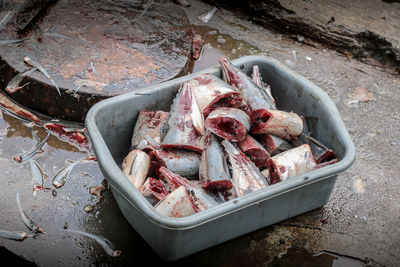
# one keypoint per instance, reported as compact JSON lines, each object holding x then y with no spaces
{"x":110,"y":124}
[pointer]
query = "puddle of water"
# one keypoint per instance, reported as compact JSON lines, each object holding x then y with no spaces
{"x":300,"y":257}
{"x":216,"y":45}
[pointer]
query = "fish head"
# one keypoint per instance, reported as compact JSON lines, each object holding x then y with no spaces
{"x":229,"y":72}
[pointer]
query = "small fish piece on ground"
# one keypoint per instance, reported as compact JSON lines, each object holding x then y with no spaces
{"x":255,"y":151}
{"x":18,"y":111}
{"x":256,"y":98}
{"x":361,"y":95}
{"x":36,"y":149}
{"x":153,"y":190}
{"x":214,"y":171}
{"x":96,"y":190}
{"x":180,"y":162}
{"x":205,"y":17}
{"x":230,"y":123}
{"x":197,"y":46}
{"x":245,"y":175}
{"x":37,"y":178}
{"x":291,"y":163}
{"x":88,"y":208}
{"x":257,"y":79}
{"x":177,"y":204}
{"x":37,"y":65}
{"x":73,"y":135}
{"x":136,"y":167}
{"x":286,"y":125}
{"x":13,"y":85}
{"x":60,"y":178}
{"x":148,"y":124}
{"x":185,"y":123}
{"x":32,"y":226}
{"x":273,"y":144}
{"x":202,"y":199}
{"x":212,"y":93}
{"x":107,"y":245}
{"x":18,"y":236}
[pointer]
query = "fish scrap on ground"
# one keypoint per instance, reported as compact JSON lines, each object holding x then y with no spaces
{"x":35,"y":149}
{"x":37,"y":178}
{"x":205,"y":17}
{"x":32,"y":226}
{"x":18,"y":236}
{"x":219,"y":141}
{"x":37,"y":65}
{"x":13,"y":85}
{"x":72,"y":135}
{"x":107,"y":245}
{"x":17,"y":111}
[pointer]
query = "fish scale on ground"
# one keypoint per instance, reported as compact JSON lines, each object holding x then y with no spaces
{"x":228,"y":138}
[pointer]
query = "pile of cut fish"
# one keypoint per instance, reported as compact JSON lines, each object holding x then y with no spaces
{"x":220,"y":140}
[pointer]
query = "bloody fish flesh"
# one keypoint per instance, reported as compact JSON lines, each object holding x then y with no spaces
{"x":202,"y":199}
{"x":214,"y":172}
{"x":230,"y":123}
{"x":212,"y":93}
{"x":136,"y":167}
{"x":255,"y":151}
{"x":256,"y":98}
{"x":197,"y":46}
{"x":286,"y":125}
{"x":18,"y":111}
{"x":73,"y":135}
{"x":180,"y":162}
{"x":274,"y":145}
{"x":293,"y":162}
{"x":154,"y":190}
{"x":148,"y":125}
{"x":178,"y":204}
{"x":245,"y":175}
{"x":185,"y":123}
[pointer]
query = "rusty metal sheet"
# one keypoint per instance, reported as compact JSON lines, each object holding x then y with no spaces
{"x":100,"y":48}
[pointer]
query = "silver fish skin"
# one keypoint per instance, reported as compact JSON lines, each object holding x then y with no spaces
{"x":291,"y":163}
{"x":37,"y":177}
{"x":32,"y":226}
{"x":177,"y":204}
{"x":18,"y":236}
{"x":230,"y":123}
{"x":211,"y":93}
{"x":37,"y":65}
{"x":63,"y":174}
{"x":202,"y":199}
{"x":256,"y":98}
{"x":245,"y":175}
{"x":273,"y":144}
{"x":285,"y":125}
{"x":28,"y":155}
{"x":148,"y":124}
{"x":136,"y":167}
{"x":205,"y":17}
{"x":107,"y":245}
{"x":13,"y":41}
{"x":214,"y":173}
{"x":256,"y":77}
{"x":180,"y":162}
{"x":182,"y":130}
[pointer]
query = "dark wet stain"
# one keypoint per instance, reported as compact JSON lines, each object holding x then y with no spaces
{"x":8,"y":256}
{"x":296,"y":257}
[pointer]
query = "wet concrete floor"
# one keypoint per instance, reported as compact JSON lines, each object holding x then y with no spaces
{"x":360,"y":220}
